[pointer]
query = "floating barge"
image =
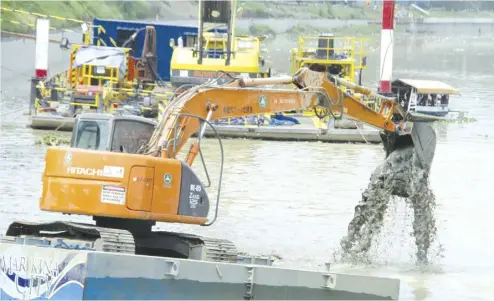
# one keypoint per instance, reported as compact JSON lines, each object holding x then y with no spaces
{"x":34,"y":269}
{"x":308,"y":129}
{"x":343,"y":130}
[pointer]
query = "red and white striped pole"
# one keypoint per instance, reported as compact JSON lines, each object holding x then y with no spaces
{"x":40,"y":60}
{"x":42,"y":42}
{"x":386,"y":69}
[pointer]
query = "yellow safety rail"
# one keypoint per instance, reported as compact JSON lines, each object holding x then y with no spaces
{"x":348,"y":52}
{"x":345,"y":51}
{"x":242,"y":45}
{"x":86,"y":74}
{"x":110,"y":94}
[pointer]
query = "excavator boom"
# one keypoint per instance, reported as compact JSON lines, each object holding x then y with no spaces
{"x":245,"y":96}
{"x":124,"y":171}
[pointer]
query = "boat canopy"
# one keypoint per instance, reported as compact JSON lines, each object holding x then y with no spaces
{"x":101,"y":56}
{"x":427,"y":86}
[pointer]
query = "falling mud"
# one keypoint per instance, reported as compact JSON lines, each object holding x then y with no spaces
{"x":401,"y":175}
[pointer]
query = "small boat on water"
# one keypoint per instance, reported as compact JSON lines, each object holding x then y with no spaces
{"x":426,"y":97}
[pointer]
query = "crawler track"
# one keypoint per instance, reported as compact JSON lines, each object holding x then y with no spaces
{"x":155,"y":243}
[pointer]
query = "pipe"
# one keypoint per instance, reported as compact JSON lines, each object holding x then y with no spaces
{"x":252,"y":82}
{"x":203,"y":129}
{"x":195,"y":147}
{"x":386,"y":68}
{"x":25,"y":36}
{"x":360,"y":89}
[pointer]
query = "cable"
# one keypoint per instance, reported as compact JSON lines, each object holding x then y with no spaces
{"x":209,"y":223}
{"x":20,"y":73}
{"x":133,"y":37}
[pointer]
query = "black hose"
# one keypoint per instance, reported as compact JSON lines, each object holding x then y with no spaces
{"x":132,"y":37}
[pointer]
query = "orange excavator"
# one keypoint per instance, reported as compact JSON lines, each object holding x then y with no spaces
{"x":125,"y":172}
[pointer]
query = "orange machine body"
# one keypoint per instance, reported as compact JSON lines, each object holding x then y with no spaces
{"x":155,"y":185}
{"x":111,"y":184}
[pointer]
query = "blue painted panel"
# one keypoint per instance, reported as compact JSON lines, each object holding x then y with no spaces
{"x":113,"y":288}
{"x":41,"y":273}
{"x":70,"y":291}
{"x":164,"y":33}
{"x":165,"y":289}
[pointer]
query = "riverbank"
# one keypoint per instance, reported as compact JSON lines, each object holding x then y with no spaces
{"x":79,"y":10}
{"x":303,"y":29}
{"x":251,"y":11}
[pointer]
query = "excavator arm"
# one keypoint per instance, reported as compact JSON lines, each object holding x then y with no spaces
{"x":245,"y":96}
{"x":107,"y":174}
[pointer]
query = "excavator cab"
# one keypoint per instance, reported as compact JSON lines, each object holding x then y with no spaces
{"x":115,"y":133}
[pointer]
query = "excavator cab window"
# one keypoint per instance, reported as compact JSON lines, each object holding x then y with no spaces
{"x":130,"y":135}
{"x":91,"y":134}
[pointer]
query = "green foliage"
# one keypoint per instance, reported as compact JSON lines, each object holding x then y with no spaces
{"x":254,"y":9}
{"x":459,"y":120}
{"x":261,"y":29}
{"x":52,"y":140}
{"x":80,"y":10}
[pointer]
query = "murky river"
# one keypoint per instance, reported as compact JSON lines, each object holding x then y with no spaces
{"x":296,"y":199}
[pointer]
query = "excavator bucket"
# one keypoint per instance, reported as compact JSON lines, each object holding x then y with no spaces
{"x":424,"y":141}
{"x":422,"y":137}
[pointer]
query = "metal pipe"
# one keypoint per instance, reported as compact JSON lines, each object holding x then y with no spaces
{"x":360,"y":89}
{"x":25,"y":36}
{"x":252,"y":82}
{"x":203,"y":129}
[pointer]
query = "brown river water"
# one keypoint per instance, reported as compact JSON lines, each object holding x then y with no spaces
{"x":296,"y":199}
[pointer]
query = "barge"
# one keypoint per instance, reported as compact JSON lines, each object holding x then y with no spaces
{"x":37,"y":270}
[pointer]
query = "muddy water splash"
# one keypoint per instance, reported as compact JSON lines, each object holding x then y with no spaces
{"x":401,"y":175}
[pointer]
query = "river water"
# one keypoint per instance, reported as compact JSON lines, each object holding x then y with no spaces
{"x":296,"y":199}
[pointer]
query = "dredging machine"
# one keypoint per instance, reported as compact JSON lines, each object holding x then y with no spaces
{"x":125,"y":172}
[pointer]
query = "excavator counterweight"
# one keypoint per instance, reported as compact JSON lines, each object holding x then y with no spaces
{"x":124,"y":171}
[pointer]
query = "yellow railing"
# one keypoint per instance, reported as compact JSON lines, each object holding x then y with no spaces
{"x":95,"y":104}
{"x":88,"y":75}
{"x":85,"y":74}
{"x":344,"y":49}
{"x":347,"y":52}
{"x":108,"y":96}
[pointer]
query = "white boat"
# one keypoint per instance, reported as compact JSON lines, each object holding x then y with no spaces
{"x":427,"y":97}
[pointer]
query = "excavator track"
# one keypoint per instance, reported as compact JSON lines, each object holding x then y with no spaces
{"x":155,"y":243}
{"x":102,"y":239}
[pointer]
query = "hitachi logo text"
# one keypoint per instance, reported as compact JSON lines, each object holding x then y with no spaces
{"x":107,"y":171}
{"x":85,"y":171}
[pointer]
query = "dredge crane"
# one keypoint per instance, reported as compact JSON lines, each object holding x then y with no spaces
{"x":124,"y":170}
